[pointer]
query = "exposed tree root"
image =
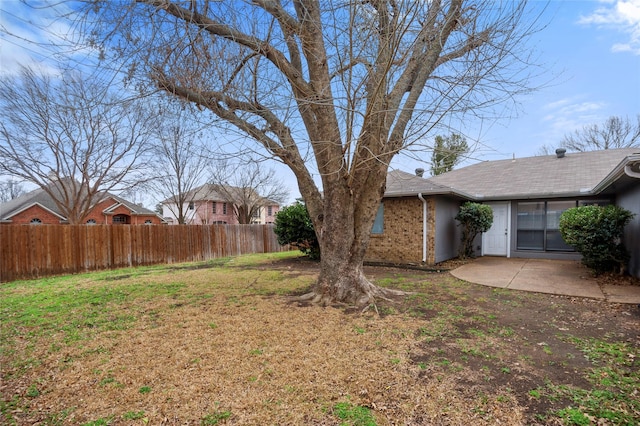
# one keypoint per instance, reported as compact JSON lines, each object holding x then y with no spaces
{"x":365,"y":300}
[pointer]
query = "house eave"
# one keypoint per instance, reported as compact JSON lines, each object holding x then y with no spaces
{"x":402,"y":194}
{"x":624,"y":168}
{"x":535,"y":196}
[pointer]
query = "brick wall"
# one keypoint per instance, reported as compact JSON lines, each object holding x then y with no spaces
{"x":401,"y":240}
{"x":100,"y":218}
{"x":48,"y":218}
{"x":35,"y":212}
{"x":204,"y":213}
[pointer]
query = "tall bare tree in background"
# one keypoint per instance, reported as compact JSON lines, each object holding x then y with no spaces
{"x":179,"y":161}
{"x":332,"y":89}
{"x":615,"y":132}
{"x":10,"y":189}
{"x":70,"y":136}
{"x":248,"y":187}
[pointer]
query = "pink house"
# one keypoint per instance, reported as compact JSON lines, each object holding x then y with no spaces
{"x":216,"y":204}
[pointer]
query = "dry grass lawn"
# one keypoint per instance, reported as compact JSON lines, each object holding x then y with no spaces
{"x":221,"y":343}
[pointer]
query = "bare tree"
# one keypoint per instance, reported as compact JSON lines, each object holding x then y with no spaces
{"x":70,"y":136}
{"x":248,"y":187}
{"x":544,"y":150}
{"x":10,"y":189}
{"x":616,"y":132}
{"x":332,"y":89}
{"x":179,"y":162}
{"x":447,"y":153}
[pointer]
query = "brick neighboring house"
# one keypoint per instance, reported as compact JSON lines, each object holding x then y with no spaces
{"x":416,"y":220}
{"x":37,"y":207}
{"x":213,"y":204}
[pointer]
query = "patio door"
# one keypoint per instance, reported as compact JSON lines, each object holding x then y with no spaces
{"x":495,"y":242}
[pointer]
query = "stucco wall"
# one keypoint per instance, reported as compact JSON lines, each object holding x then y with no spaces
{"x":448,"y":234}
{"x":630,"y":200}
{"x":401,"y":240}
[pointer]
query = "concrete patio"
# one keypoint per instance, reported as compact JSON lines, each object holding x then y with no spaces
{"x":562,"y":277}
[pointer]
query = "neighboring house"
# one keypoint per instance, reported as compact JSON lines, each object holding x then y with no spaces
{"x":416,"y":224}
{"x":37,"y":207}
{"x":213,"y":204}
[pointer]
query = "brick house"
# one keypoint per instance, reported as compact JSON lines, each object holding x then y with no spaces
{"x":414,"y":224}
{"x":416,"y":220}
{"x":211,"y":204}
{"x":37,"y":207}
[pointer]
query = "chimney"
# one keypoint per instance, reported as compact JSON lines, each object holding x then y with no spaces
{"x":560,"y":152}
{"x":419,"y":172}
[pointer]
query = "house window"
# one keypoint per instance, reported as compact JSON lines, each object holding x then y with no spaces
{"x":538,"y":225}
{"x":120,"y":219}
{"x":600,"y":203}
{"x":553,"y":239}
{"x":191,"y":206}
{"x":213,"y":207}
{"x":224,"y":208}
{"x":35,"y":221}
{"x":148,"y":222}
{"x":91,"y":222}
{"x":269,"y":210}
{"x":378,"y":224}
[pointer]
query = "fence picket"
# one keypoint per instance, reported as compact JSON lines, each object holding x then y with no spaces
{"x":32,"y":251}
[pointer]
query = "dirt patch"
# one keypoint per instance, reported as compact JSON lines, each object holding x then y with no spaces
{"x":227,"y":347}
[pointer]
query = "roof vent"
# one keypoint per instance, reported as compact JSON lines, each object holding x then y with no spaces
{"x":419,"y":172}
{"x":560,"y":152}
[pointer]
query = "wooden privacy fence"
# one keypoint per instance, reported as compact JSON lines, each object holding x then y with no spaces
{"x":31,"y":251}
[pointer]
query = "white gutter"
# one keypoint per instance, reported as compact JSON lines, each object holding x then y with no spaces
{"x":627,"y":166}
{"x":424,"y":227}
{"x":630,"y":170}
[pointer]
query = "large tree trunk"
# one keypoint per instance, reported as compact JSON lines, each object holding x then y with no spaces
{"x":342,"y":280}
{"x":343,"y":229}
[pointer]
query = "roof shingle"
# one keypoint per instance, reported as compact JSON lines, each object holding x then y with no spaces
{"x":577,"y":173}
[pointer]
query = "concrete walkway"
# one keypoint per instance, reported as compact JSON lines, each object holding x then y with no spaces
{"x":563,"y":277}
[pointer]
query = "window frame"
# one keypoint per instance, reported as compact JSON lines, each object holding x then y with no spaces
{"x":378,"y":224}
{"x":551,"y":239}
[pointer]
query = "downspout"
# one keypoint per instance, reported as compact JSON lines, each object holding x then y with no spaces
{"x":424,"y":227}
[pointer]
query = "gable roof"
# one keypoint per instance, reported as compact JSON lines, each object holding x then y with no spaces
{"x":576,"y":174}
{"x":24,"y":201}
{"x":40,"y":197}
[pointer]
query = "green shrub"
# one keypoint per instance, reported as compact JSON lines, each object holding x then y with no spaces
{"x":596,"y":233}
{"x":293,"y":226}
{"x":474,"y":218}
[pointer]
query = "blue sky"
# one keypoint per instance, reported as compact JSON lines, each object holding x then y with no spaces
{"x":590,"y":50}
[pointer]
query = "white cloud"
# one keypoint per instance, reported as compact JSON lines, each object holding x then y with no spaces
{"x":569,"y":114}
{"x":621,"y":15}
{"x":31,"y":34}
